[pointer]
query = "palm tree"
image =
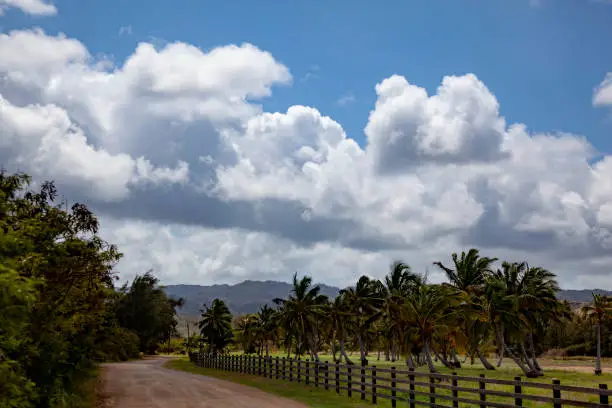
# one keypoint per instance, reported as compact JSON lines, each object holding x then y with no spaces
{"x":216,"y":325}
{"x":431,"y":310}
{"x":364,"y":301}
{"x":266,"y":327}
{"x":539,"y":307}
{"x":467,"y":279}
{"x":337,"y":314}
{"x":598,"y":311}
{"x":399,"y":283}
{"x":300,"y":314}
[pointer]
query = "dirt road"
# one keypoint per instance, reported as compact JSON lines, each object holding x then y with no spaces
{"x":146,"y":384}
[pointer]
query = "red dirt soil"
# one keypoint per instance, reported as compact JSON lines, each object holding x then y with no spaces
{"x":147,"y":384}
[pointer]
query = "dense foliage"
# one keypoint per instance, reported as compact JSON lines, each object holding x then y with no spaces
{"x":59,"y":310}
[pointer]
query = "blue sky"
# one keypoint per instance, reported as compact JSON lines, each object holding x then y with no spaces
{"x":541,"y":60}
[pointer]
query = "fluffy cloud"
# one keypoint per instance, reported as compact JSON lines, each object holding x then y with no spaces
{"x":459,"y":124}
{"x":33,"y":7}
{"x":603,"y":93}
{"x":192,"y":177}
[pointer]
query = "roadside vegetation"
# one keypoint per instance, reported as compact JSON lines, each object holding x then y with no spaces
{"x":60,"y":313}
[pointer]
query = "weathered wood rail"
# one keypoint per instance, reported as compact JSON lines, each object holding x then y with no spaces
{"x":408,"y":386}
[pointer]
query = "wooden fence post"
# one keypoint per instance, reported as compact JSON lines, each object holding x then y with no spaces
{"x":299,"y":370}
{"x":326,"y":376}
{"x":455,"y":393}
{"x":362,"y":372}
{"x":483,"y":391}
{"x":518,"y":401}
{"x":337,"y":377}
{"x":290,"y":369}
{"x":276,"y":367}
{"x":316,"y":372}
{"x":411,"y":378}
{"x":259,"y":366}
{"x":603,"y":398}
{"x":349,"y":380}
{"x":373,"y":384}
{"x":307,"y":371}
{"x":393,"y":385}
{"x":284,"y":368}
{"x":556,"y":393}
{"x":432,"y":390}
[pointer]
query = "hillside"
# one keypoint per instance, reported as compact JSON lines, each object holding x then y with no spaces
{"x":244,"y":297}
{"x":582,"y":295}
{"x":249,"y":296}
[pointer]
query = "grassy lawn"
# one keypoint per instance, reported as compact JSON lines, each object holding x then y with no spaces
{"x":319,"y":397}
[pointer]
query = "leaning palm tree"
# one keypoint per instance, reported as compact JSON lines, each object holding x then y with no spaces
{"x":337,"y":312}
{"x":299,"y":314}
{"x":539,"y":307}
{"x":399,"y":283}
{"x":364,"y":301}
{"x":467,"y":278}
{"x":431,"y":310}
{"x":598,"y":312}
{"x":216,"y":325}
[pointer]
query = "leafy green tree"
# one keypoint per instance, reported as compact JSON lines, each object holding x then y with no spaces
{"x":145,"y":309}
{"x":17,"y":296}
{"x":58,"y":248}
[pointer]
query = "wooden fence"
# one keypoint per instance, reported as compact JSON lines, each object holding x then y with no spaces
{"x":411,"y":387}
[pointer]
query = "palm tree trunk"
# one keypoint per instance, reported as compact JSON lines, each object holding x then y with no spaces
{"x":455,"y":358}
{"x":333,"y":346}
{"x":526,"y":357}
{"x":430,"y":363}
{"x":343,"y":351}
{"x":598,"y":359}
{"x":267,"y":349}
{"x":361,"y":348}
{"x":442,"y":359}
{"x":484,"y":360}
{"x":409,"y":361}
{"x":533,"y":354}
{"x":528,"y":371}
{"x":500,"y":344}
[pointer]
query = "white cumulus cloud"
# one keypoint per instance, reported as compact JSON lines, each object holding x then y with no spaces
{"x":33,"y":7}
{"x":193,"y":178}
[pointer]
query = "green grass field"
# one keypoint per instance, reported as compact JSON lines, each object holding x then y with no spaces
{"x":317,"y":397}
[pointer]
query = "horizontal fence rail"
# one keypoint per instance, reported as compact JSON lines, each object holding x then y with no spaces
{"x":408,"y":386}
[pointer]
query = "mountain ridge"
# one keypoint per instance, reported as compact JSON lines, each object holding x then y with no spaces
{"x":248,"y":296}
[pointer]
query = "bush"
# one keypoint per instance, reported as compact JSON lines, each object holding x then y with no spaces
{"x":582,"y":349}
{"x":177,"y":346}
{"x":121,"y":344}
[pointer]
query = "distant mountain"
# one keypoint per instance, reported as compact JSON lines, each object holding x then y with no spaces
{"x":249,"y":296}
{"x":581,"y":296}
{"x":244,"y":297}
